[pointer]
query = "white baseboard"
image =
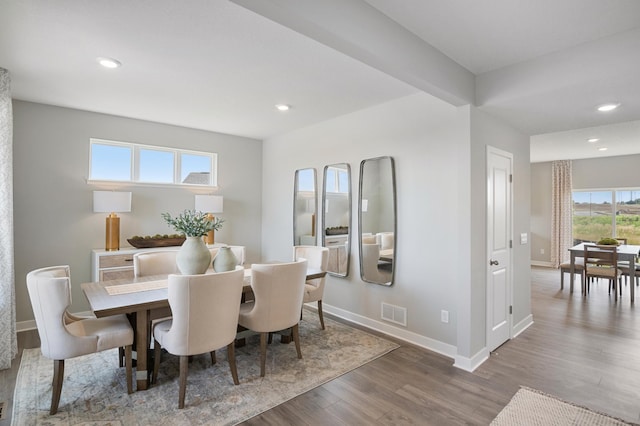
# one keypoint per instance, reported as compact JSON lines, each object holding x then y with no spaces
{"x":541,"y":263}
{"x":31,"y":324}
{"x":470,"y":364}
{"x":522,"y":325}
{"x":404,"y":335}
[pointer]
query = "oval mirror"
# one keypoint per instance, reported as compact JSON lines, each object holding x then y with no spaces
{"x":336,"y":217}
{"x":377,"y":220}
{"x":304,"y":208}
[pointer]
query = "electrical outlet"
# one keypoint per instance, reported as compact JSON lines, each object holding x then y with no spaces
{"x":444,"y":316}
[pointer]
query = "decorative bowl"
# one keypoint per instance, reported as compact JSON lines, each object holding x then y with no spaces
{"x":155,"y":242}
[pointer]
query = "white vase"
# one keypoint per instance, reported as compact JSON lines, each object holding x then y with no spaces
{"x":225,"y":260}
{"x":193,"y":257}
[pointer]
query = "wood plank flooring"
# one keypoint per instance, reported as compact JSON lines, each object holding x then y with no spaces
{"x":582,"y":349}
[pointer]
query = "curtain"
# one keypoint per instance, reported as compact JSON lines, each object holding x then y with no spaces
{"x":8,"y":340}
{"x":561,"y":212}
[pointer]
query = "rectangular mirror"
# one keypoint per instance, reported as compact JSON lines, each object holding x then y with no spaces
{"x":336,"y":218}
{"x":304,"y":208}
{"x":377,"y":220}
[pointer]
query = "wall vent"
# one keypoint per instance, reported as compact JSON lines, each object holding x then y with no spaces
{"x":394,"y":314}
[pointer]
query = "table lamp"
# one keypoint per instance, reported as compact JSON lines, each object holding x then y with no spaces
{"x":209,"y":204}
{"x":112,"y":202}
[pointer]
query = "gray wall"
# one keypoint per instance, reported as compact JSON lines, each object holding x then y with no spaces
{"x":438,"y":229}
{"x":53,"y":219}
{"x":591,"y":173}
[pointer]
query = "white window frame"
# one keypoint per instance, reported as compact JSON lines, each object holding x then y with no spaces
{"x":135,"y":164}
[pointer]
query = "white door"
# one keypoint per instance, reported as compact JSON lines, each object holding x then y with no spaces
{"x":499,"y":243}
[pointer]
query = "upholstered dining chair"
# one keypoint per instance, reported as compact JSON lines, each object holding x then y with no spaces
{"x":205,"y":318}
{"x":63,"y":335}
{"x":317,"y":258}
{"x":601,"y":261}
{"x":278,"y":289}
{"x":370,"y":258}
{"x":160,"y":262}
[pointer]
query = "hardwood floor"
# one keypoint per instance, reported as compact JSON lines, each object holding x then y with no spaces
{"x":584,"y":350}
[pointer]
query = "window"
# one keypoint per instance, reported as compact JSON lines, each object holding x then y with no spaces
{"x":127,"y":162}
{"x":609,"y":213}
{"x":337,"y":180}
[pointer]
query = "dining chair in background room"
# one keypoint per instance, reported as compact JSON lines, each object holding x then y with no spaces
{"x":63,"y":335}
{"x":601,"y":261}
{"x":565,"y":268}
{"x":278,"y":290}
{"x":317,"y":258}
{"x":205,"y":318}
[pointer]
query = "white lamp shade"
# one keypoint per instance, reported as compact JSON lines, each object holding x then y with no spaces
{"x":111,"y":202}
{"x":209,"y":203}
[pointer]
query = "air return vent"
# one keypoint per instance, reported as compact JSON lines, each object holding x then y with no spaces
{"x":394,"y":314}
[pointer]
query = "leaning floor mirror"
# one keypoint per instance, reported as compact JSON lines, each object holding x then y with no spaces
{"x":304,"y":208}
{"x":377,"y":220}
{"x":336,"y":218}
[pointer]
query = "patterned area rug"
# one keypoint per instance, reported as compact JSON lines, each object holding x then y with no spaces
{"x":94,"y":390}
{"x":531,"y":407}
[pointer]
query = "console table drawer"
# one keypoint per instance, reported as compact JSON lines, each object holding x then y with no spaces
{"x":117,"y":260}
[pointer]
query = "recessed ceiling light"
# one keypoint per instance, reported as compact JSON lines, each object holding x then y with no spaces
{"x":109,"y":62}
{"x":282,"y":107}
{"x":602,"y":148}
{"x":592,"y":140}
{"x":608,"y":107}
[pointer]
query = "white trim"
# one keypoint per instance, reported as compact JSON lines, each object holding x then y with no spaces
{"x":31,"y":324}
{"x":541,"y":263}
{"x":404,"y":335}
{"x":522,"y":325}
{"x":470,"y":364}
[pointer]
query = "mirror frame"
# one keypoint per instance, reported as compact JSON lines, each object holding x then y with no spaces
{"x":314,"y":233}
{"x":346,"y":166}
{"x":395,"y":218}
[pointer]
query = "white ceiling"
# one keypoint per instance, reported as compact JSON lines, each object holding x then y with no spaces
{"x":541,"y":65}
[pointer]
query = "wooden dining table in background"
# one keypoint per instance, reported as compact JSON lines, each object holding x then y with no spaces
{"x":626,"y":252}
{"x":143,"y":305}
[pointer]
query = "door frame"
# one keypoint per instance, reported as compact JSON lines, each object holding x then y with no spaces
{"x":490,"y":150}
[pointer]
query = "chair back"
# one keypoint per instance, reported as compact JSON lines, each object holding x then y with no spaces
{"x":317,"y":258}
{"x":205,"y":311}
{"x":278,"y":290}
{"x":50,"y":293}
{"x":602,"y":261}
{"x":161,"y":262}
{"x":385,"y":240}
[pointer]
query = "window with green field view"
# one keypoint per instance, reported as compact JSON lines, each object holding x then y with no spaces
{"x":610,"y":213}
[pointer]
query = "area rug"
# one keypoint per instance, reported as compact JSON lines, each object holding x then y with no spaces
{"x":94,"y":390}
{"x":531,"y":407}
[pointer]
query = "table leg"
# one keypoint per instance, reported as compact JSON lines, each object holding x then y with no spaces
{"x":142,"y":321}
{"x":632,"y":277}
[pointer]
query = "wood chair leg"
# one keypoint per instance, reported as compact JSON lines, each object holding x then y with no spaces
{"x":263,"y":353}
{"x":184,"y":369}
{"x":320,"y":314}
{"x":213,"y":357}
{"x":296,"y":340}
{"x":58,"y":377}
{"x":231,"y":358}
{"x":156,"y":361}
{"x":129,"y":367}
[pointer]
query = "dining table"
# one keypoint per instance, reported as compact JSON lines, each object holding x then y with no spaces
{"x":626,"y":252}
{"x":143,"y":299}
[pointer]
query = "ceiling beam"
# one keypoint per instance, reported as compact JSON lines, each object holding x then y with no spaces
{"x":362,"y":32}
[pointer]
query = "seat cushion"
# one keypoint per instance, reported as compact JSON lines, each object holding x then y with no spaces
{"x":160,"y":330}
{"x":112,"y":332}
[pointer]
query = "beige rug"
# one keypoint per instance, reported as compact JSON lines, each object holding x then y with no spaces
{"x":530,"y":407}
{"x":94,"y":389}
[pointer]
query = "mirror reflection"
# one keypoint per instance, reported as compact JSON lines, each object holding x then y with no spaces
{"x":304,"y":208}
{"x":377,"y":220}
{"x":336,"y":207}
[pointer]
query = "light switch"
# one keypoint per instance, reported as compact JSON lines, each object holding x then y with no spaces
{"x":523,"y":238}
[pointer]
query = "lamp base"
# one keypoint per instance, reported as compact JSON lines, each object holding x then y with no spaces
{"x":112,"y":241}
{"x":209,"y":238}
